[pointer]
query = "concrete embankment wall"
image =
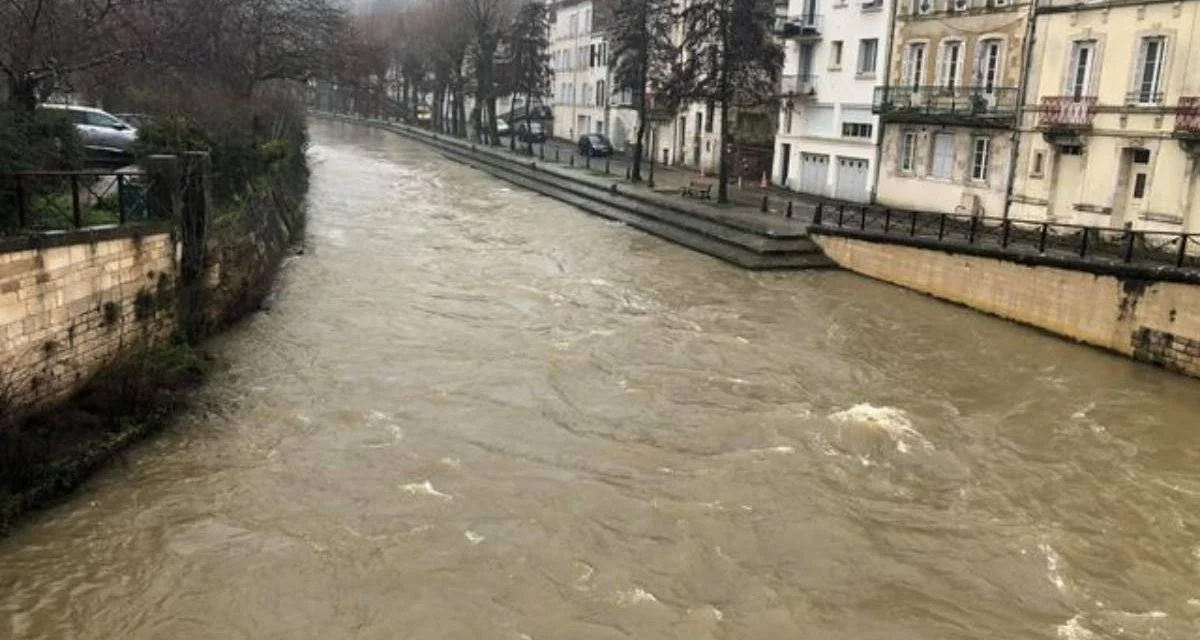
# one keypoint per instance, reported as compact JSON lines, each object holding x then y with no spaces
{"x":73,"y":303}
{"x":1152,"y":321}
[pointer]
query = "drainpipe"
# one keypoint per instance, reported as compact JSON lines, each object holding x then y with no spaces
{"x":887,"y":76}
{"x":1022,"y":90}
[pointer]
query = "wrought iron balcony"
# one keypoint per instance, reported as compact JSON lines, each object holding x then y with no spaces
{"x":799,"y":86}
{"x":1187,"y":118}
{"x":802,"y":27}
{"x":970,"y":105}
{"x":1066,"y":113}
{"x":1144,"y":97}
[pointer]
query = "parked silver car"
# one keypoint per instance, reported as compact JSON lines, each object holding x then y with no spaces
{"x":106,"y":137}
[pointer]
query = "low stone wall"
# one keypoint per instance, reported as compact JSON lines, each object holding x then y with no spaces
{"x":1152,"y":321}
{"x":70,"y":304}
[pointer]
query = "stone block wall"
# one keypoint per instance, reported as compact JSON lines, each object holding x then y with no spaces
{"x":1153,"y":321}
{"x":75,"y":302}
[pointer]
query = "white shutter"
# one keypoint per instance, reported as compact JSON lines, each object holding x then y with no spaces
{"x":1139,"y":70}
{"x":943,"y":65}
{"x":1069,"y":80}
{"x":907,"y":73}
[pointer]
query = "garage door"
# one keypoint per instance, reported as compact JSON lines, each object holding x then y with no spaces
{"x":852,"y":179}
{"x":814,"y":173}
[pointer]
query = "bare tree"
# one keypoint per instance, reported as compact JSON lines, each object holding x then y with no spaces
{"x":733,"y":61}
{"x":528,"y":60}
{"x":644,"y":54}
{"x":45,"y":41}
{"x":486,"y":20}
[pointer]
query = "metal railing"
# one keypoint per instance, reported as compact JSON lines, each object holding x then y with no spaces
{"x":63,"y":200}
{"x":808,"y":25}
{"x":804,"y":84}
{"x":1096,"y":244}
{"x":1143,"y":97}
{"x":1187,"y":117}
{"x":971,"y":101}
{"x":1067,"y":112}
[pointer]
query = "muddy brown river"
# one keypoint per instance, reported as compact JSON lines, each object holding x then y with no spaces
{"x":473,"y":412}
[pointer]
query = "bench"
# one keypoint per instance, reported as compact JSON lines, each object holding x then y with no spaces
{"x":699,"y":189}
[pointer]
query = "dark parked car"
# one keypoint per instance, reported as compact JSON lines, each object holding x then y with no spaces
{"x":531,"y":131}
{"x":595,"y":145}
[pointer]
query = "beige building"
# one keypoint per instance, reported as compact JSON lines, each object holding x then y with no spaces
{"x":949,"y":105}
{"x":1111,"y":134}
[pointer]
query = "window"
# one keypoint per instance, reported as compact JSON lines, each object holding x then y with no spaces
{"x":711,"y":109}
{"x":857,"y":129}
{"x":943,"y":156}
{"x":835,"y":54}
{"x":987,"y":64}
{"x":1037,"y":167}
{"x":868,"y":52}
{"x":923,"y":6}
{"x":1079,"y":71}
{"x":600,"y":93}
{"x":999,"y":3}
{"x":950,"y":62}
{"x":1141,"y":156}
{"x":1147,"y":80}
{"x":981,"y":155}
{"x":960,"y":5}
{"x":787,"y":122}
{"x":1139,"y":186}
{"x":908,"y":152}
{"x":1071,"y":150}
{"x":914,"y":64}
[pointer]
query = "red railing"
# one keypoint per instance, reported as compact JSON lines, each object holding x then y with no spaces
{"x":1187,"y":118}
{"x":1066,"y":112}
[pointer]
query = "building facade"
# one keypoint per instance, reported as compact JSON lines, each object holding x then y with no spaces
{"x":950,"y":104}
{"x":827,"y":134}
{"x":1111,"y":134}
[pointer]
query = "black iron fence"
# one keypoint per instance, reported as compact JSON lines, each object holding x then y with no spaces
{"x":37,"y":201}
{"x":1100,"y":244}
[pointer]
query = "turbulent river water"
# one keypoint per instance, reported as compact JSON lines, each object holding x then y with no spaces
{"x":473,"y":412}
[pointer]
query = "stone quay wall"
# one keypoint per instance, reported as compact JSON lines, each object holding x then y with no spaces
{"x":1152,"y":321}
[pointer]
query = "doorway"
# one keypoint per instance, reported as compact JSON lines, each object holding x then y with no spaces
{"x":785,"y":163}
{"x":1133,"y":185}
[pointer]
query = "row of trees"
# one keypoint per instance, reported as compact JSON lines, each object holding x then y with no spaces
{"x":666,"y":53}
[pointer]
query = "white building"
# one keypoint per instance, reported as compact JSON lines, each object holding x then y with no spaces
{"x":828,"y":137}
{"x":582,"y":91}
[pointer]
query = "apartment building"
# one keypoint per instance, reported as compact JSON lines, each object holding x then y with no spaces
{"x":583,"y":98}
{"x":950,"y":104}
{"x":833,"y":60}
{"x":1111,"y":135}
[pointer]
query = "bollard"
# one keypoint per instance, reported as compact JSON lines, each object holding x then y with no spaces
{"x":627,"y":174}
{"x":607,"y":165}
{"x":764,"y":205}
{"x":556,"y":154}
{"x":818,"y":215}
{"x":571,"y":161}
{"x":542,"y":152}
{"x":789,"y":209}
{"x":587,"y":162}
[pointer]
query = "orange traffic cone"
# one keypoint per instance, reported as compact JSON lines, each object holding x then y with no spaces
{"x":762,"y":184}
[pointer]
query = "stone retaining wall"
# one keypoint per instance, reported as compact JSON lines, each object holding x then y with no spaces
{"x":74,"y":303}
{"x":1156,"y":322}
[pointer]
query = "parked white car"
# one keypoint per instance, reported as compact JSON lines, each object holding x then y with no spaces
{"x":105,"y":136}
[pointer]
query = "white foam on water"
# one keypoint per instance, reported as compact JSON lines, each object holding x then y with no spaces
{"x":1053,"y":564}
{"x":636,"y":595}
{"x":742,"y":340}
{"x":585,"y":577}
{"x":737,"y":380}
{"x":473,"y":538}
{"x":717,"y":613}
{"x":453,"y":463}
{"x":1153,"y":615}
{"x":1073,"y":629}
{"x":598,"y":282}
{"x":1194,"y":602}
{"x":1083,"y":413}
{"x":890,"y":420}
{"x":425,"y":489}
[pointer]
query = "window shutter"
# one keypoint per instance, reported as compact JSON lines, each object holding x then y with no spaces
{"x":907,"y":73}
{"x":943,"y":65}
{"x":1139,"y":85}
{"x":1069,"y":81}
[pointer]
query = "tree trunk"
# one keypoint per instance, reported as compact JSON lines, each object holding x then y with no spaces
{"x":461,"y":112}
{"x":491,"y":107}
{"x":724,"y":90}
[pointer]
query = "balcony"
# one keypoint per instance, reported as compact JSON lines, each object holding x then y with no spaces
{"x":1066,"y":113}
{"x":1187,"y":119}
{"x":968,"y":106}
{"x":799,"y":86}
{"x":803,"y":27}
